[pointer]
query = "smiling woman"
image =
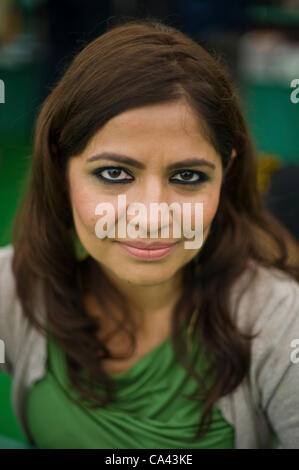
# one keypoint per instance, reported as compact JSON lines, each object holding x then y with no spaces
{"x":136,"y":344}
{"x":157,"y":137}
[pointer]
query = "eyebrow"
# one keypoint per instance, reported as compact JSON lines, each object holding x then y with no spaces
{"x":137,"y":164}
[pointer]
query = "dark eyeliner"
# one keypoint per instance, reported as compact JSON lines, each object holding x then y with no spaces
{"x":203,"y":177}
{"x":97,"y":173}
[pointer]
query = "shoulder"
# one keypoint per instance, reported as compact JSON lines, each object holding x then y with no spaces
{"x":265,"y":303}
{"x":265,"y":297}
{"x":7,"y":282}
{"x":8,"y":306}
{"x":269,"y":307}
{"x":6,"y":253}
{"x":19,"y":336}
{"x":13,"y":324}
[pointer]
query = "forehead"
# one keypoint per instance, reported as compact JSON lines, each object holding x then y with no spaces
{"x":155,"y":134}
{"x":167,"y":120}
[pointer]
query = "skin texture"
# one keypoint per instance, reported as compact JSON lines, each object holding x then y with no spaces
{"x":157,"y":136}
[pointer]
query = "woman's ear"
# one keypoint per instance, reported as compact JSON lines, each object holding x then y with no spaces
{"x":232,"y":156}
{"x":234,"y":153}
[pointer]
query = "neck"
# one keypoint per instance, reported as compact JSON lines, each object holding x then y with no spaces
{"x":150,"y":304}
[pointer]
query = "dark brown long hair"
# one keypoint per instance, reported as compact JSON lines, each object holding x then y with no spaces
{"x":139,"y":63}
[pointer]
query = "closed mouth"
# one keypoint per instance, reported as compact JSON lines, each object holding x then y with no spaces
{"x":149,"y":246}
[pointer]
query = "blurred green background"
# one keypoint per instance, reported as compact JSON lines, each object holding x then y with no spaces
{"x":17,"y":115}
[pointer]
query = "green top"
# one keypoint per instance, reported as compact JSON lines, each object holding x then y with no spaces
{"x":149,"y":413}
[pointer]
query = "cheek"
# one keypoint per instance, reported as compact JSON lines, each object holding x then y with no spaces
{"x":210,"y":206}
{"x":210,"y":201}
{"x":84,"y":202}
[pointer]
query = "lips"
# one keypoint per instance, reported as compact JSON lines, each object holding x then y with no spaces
{"x":156,"y":252}
{"x":149,"y":246}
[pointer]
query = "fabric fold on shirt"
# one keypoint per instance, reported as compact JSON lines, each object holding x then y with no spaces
{"x":150,"y":411}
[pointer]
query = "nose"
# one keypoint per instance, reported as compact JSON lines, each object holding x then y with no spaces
{"x":151,"y":208}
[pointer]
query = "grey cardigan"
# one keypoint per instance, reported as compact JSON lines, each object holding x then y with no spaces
{"x":264,"y":408}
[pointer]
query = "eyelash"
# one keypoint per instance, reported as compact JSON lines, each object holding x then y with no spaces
{"x":97,"y":173}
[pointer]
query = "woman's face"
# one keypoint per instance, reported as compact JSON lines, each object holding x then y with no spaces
{"x":156,"y":137}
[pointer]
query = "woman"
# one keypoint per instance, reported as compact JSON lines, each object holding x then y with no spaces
{"x":118,"y":347}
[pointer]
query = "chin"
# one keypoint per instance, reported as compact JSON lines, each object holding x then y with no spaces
{"x":145,"y":278}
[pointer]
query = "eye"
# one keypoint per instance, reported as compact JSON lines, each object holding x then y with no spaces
{"x":113,"y":175}
{"x":191,"y":177}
